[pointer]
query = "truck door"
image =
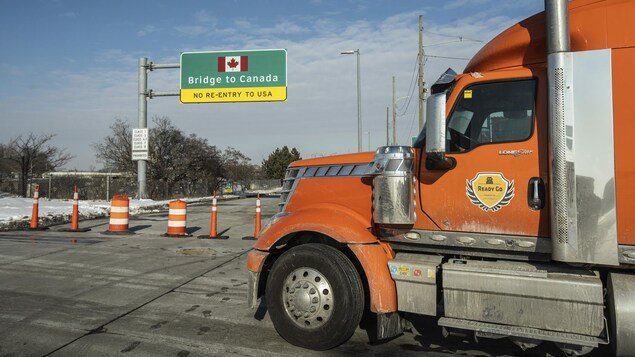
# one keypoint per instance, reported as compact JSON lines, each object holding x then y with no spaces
{"x":498,"y":183}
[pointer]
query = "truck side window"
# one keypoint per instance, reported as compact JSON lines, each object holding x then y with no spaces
{"x":492,"y":112}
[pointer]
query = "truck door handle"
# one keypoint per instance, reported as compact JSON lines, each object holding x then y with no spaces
{"x":536,"y":193}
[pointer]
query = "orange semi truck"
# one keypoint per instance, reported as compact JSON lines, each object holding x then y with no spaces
{"x":513,"y":214}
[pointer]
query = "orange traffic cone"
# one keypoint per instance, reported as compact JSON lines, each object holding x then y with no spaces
{"x":35,"y":211}
{"x":177,"y":219}
{"x":119,"y":215}
{"x":75,"y":215}
{"x":213,"y":225}
{"x":257,"y":226}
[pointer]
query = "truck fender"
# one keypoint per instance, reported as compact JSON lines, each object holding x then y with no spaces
{"x":347,"y":227}
{"x":374,"y":261}
{"x":340,"y":223}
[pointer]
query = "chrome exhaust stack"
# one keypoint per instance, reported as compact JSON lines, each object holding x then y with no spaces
{"x":583,"y":211}
{"x":557,"y":22}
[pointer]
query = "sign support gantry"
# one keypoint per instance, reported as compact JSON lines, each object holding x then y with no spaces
{"x":144,"y":94}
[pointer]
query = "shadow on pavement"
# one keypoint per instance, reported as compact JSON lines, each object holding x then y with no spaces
{"x":139,"y":227}
{"x":191,"y":230}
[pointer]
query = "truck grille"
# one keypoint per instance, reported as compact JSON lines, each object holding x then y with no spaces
{"x":288,"y":185}
{"x":293,"y":176}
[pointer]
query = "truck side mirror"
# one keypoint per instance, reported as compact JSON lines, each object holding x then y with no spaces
{"x":435,"y":134}
{"x":435,"y":126}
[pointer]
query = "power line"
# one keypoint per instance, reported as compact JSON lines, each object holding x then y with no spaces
{"x":442,"y":43}
{"x":454,"y":36}
{"x":408,"y":133}
{"x":410,"y":87}
{"x":446,"y":57}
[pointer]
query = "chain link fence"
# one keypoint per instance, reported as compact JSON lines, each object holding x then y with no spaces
{"x":265,"y":185}
{"x":104,"y":187}
{"x":90,"y":188}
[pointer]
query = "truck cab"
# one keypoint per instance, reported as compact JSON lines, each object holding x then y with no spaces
{"x":510,"y":216}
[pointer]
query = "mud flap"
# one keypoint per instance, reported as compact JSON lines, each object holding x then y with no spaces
{"x":389,"y":325}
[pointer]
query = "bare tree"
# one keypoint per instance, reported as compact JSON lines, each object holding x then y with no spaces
{"x":205,"y":163}
{"x":115,"y":150}
{"x":237,"y":167}
{"x":33,"y":155}
{"x":4,"y":163}
{"x":178,"y":163}
{"x":167,"y":163}
{"x":181,"y":160}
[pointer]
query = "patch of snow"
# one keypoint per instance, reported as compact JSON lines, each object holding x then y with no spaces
{"x":15,"y":212}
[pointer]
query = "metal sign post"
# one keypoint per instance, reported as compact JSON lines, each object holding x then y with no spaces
{"x":144,"y":94}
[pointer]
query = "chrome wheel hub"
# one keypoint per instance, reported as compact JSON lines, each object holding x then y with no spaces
{"x":307,"y":298}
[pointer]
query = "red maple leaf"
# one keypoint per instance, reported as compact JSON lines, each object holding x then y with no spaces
{"x":233,"y":63}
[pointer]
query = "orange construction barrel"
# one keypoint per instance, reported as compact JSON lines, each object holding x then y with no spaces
{"x":119,"y":214}
{"x":177,"y":218}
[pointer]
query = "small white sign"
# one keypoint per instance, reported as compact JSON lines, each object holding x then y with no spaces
{"x":140,"y":139}
{"x":139,"y":155}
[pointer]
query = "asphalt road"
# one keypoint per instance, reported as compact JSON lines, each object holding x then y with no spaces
{"x":90,"y":294}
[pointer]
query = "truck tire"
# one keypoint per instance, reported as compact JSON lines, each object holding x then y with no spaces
{"x":315,"y":296}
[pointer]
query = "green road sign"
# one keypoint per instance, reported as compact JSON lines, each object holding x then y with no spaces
{"x":234,"y":76}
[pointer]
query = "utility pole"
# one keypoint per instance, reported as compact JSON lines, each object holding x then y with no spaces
{"x":387,"y":128}
{"x":394,"y":114}
{"x":422,"y":90}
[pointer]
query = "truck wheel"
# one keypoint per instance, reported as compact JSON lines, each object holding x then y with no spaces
{"x":315,"y":297}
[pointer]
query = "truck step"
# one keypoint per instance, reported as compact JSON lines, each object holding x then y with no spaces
{"x":489,"y":330}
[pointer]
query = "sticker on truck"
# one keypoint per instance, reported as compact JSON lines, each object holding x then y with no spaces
{"x":490,"y":191}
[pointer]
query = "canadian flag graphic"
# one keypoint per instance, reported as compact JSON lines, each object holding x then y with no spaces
{"x":233,"y":64}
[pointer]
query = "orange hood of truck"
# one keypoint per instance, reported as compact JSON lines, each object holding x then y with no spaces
{"x":356,"y":158}
{"x":524,"y":44}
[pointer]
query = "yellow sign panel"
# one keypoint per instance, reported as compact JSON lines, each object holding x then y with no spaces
{"x":226,"y":95}
{"x":467,"y":94}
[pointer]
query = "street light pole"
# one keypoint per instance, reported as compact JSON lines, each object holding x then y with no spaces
{"x":394,"y":114}
{"x":359,"y":100}
{"x":387,"y":129}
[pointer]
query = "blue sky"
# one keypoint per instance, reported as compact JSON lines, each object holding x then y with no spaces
{"x":70,"y":67}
